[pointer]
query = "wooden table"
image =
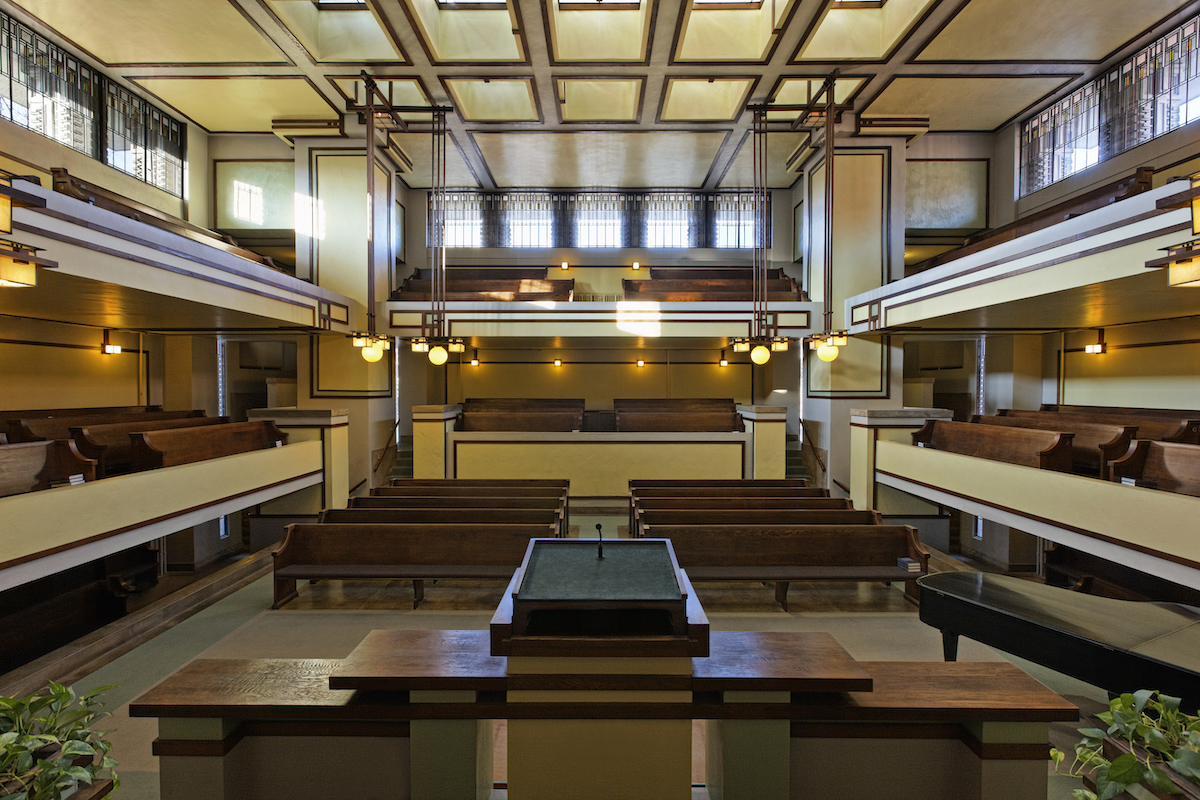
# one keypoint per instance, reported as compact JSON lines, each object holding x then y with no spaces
{"x":776,"y":703}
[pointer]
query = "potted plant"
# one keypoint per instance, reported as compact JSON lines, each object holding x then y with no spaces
{"x":1150,"y":743}
{"x":48,"y":749}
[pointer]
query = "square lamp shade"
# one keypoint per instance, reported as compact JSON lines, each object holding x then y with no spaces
{"x":18,"y":264}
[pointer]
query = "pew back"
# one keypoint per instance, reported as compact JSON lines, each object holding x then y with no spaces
{"x":464,"y":491}
{"x":804,"y":546}
{"x":110,"y":443}
{"x":1025,"y":447}
{"x":651,"y":421}
{"x":1168,"y":466}
{"x":33,"y":466}
{"x":1094,"y":443}
{"x":175,"y":446}
{"x":329,"y":543}
{"x":45,"y":428}
{"x":433,"y":500}
{"x":451,"y":516}
{"x":812,"y":492}
{"x":654,"y":524}
{"x":1163,"y":429}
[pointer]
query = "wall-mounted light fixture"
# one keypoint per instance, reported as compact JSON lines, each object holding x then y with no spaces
{"x":475,"y":359}
{"x":641,"y":363}
{"x":1183,"y":260}
{"x":558,"y":362}
{"x":107,"y":347}
{"x":565,"y":265}
{"x":1098,"y":347}
{"x":19,"y":264}
{"x":724,"y":362}
{"x":637,"y":265}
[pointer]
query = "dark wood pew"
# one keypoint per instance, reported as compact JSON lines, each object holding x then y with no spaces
{"x":730,"y":491}
{"x":739,"y":483}
{"x":170,"y":448}
{"x":1025,"y":447}
{"x":643,"y":421}
{"x":35,"y":413}
{"x":727,"y":273}
{"x":672,"y":404}
{"x":1096,"y":639}
{"x":562,"y":484}
{"x":454,"y":487}
{"x":484,"y":289}
{"x":486,"y":273}
{"x":1093,"y":446}
{"x":802,"y":553}
{"x":523,"y":404}
{"x":110,"y":445}
{"x":416,"y":552}
{"x":65,"y":183}
{"x":1166,"y":428}
{"x":452,"y":516}
{"x":560,"y":421}
{"x":1167,"y":466}
{"x":1083,"y":572}
{"x":707,"y":290}
{"x":433,"y":500}
{"x":33,"y":466}
{"x":1128,"y":186}
{"x":650,"y":519}
{"x":45,"y":428}
{"x":1156,"y":413}
{"x":649,"y":523}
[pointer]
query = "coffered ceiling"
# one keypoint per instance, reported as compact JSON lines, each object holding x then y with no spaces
{"x":620,"y":93}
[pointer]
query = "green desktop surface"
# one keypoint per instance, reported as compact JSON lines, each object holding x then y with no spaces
{"x":570,"y":571}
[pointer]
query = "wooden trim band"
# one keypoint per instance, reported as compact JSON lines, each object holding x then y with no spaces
{"x":984,"y":752}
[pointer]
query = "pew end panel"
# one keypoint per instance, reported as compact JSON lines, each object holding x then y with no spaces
{"x":35,"y":466}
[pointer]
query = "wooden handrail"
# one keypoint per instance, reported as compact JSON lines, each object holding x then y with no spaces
{"x":803,"y":439}
{"x":383,"y":453}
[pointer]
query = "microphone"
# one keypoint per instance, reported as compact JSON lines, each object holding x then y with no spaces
{"x":599,"y":543}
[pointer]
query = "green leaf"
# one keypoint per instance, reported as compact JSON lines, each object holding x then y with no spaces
{"x":1157,"y":779}
{"x":1092,"y":733}
{"x":1141,"y":698}
{"x":1105,"y":788}
{"x":1126,"y":769}
{"x":75,"y":747}
{"x":1170,"y":702}
{"x":1186,"y":762}
{"x":1156,"y":741}
{"x":1056,"y":755}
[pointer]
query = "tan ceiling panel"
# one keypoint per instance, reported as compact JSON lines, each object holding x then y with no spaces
{"x":157,"y":31}
{"x":729,"y":34}
{"x":1066,"y":30}
{"x":652,"y":160}
{"x":240,"y":104}
{"x":599,"y":34}
{"x":848,"y":34}
{"x":600,"y":100}
{"x":419,"y":148}
{"x":780,"y":148}
{"x":494,"y":99}
{"x":961,"y":104}
{"x":705,"y":99}
{"x":466,"y":35}
{"x":335,"y":35}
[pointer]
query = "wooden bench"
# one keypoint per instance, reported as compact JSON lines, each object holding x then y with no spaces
{"x":520,"y":421}
{"x":1094,"y":444}
{"x":728,"y":273}
{"x":658,"y":526}
{"x":71,"y":186}
{"x":170,"y":448}
{"x":1021,"y":446}
{"x":490,"y":289}
{"x":416,"y":552}
{"x":737,"y":483}
{"x":1135,"y":411}
{"x":552,"y":517}
{"x":33,"y":466}
{"x":523,"y":404}
{"x":707,"y":290}
{"x":35,"y":413}
{"x":730,"y":491}
{"x":556,"y":503}
{"x":561,"y":484}
{"x":649,"y":519}
{"x":40,"y":429}
{"x":1184,"y":427}
{"x":647,"y":421}
{"x":110,"y":444}
{"x":1167,"y":466}
{"x":404,"y":490}
{"x":672,"y":404}
{"x":801,"y":553}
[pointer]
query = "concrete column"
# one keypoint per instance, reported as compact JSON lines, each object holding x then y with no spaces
{"x":430,"y":426}
{"x":869,"y":425}
{"x":331,"y":428}
{"x":768,"y":428}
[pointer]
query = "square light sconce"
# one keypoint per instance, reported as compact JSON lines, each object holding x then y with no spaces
{"x":558,"y":362}
{"x":724,"y":362}
{"x":19,"y":263}
{"x":1098,"y":347}
{"x":641,"y":363}
{"x":565,"y":265}
{"x":637,"y":265}
{"x":107,"y":347}
{"x":475,"y":362}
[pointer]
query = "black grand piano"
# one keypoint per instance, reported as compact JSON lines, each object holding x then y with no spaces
{"x":1118,"y":645}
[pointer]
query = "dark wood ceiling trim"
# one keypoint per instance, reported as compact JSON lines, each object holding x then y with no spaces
{"x":262,"y":4}
{"x":716,"y":157}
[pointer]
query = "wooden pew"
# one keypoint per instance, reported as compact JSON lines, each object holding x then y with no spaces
{"x":730,"y":491}
{"x":1022,"y":446}
{"x":452,"y":516}
{"x":110,"y":445}
{"x":728,"y":273}
{"x":561,"y":484}
{"x":673,"y":404}
{"x":802,"y":553}
{"x":707,"y":290}
{"x":1167,"y":466}
{"x":416,"y":552}
{"x":433,"y":500}
{"x":1078,"y":571}
{"x":643,"y":421}
{"x":45,"y":428}
{"x":649,"y":519}
{"x":486,"y":273}
{"x":740,"y":483}
{"x":1126,"y":411}
{"x":1184,"y":427}
{"x":68,"y":184}
{"x":523,"y":404}
{"x":172,"y":447}
{"x":35,"y":413}
{"x":560,"y":421}
{"x":33,"y":466}
{"x":654,"y":525}
{"x":486,"y":289}
{"x":1094,"y":444}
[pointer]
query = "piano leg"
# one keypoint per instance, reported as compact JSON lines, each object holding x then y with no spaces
{"x":950,"y":645}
